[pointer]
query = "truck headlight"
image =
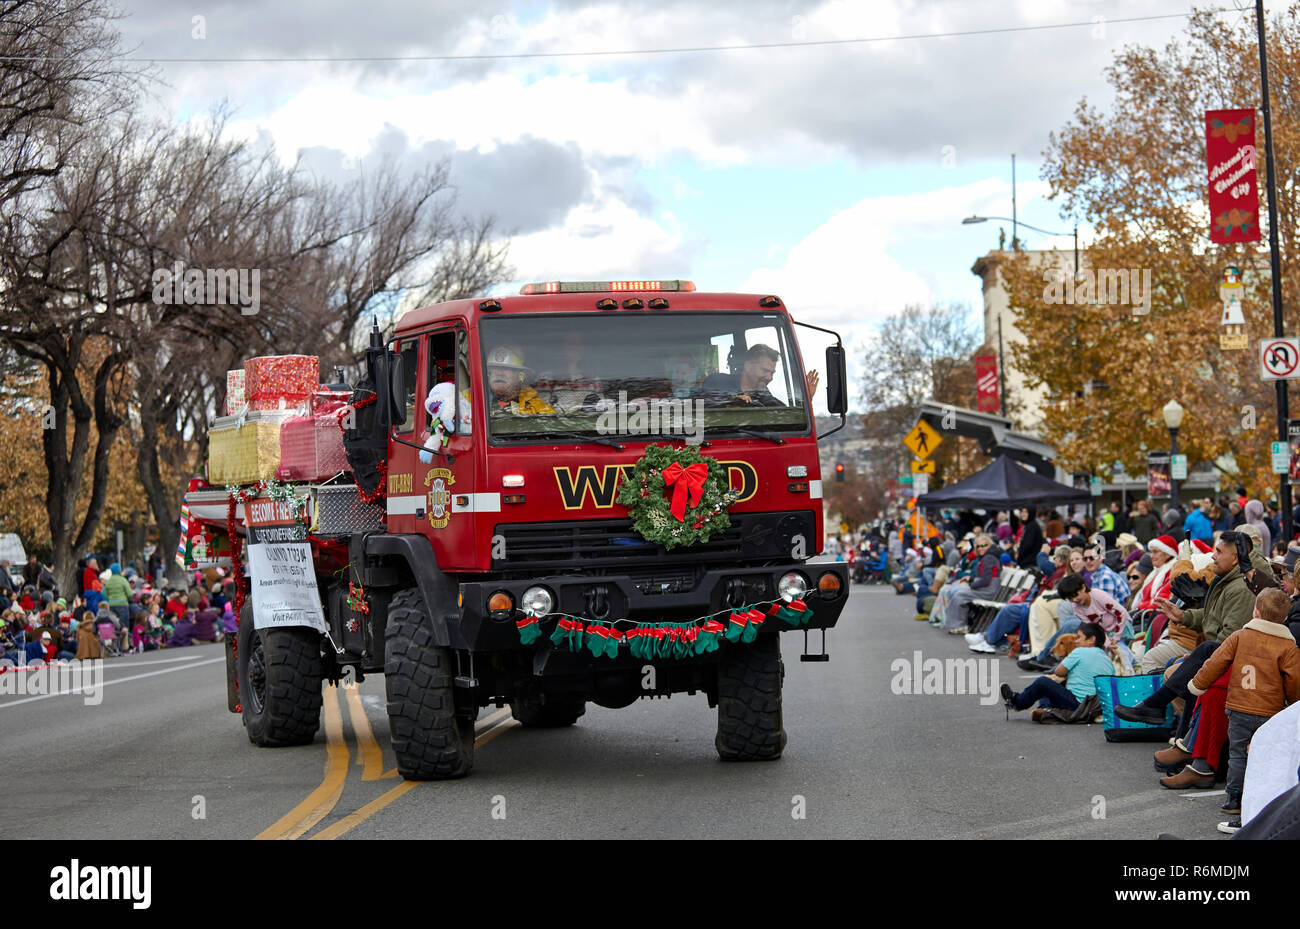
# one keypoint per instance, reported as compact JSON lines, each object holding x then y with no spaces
{"x":792,"y":586}
{"x":537,"y":601}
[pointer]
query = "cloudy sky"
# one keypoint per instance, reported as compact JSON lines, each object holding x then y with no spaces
{"x":835,"y":175}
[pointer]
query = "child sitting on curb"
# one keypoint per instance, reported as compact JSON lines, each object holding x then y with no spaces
{"x":1265,"y":678}
{"x":1078,"y":668}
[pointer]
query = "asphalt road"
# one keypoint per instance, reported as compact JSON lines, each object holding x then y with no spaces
{"x":160,"y":757}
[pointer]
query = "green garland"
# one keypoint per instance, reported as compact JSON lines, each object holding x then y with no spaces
{"x":649,"y":499}
{"x":649,"y":641}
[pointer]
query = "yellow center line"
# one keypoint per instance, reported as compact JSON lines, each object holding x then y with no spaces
{"x":488,"y":730}
{"x":320,"y":801}
{"x":368,"y":752}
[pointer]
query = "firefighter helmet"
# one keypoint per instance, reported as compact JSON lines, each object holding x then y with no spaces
{"x":511,"y":358}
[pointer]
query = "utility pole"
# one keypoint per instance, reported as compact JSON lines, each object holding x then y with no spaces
{"x":1014,"y":241}
{"x":1275,"y":261}
{"x":1002,"y":371}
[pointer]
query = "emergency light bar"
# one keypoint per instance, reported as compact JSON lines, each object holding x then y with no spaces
{"x":595,"y":287}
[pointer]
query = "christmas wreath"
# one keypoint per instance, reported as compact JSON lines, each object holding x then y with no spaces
{"x":676,"y":496}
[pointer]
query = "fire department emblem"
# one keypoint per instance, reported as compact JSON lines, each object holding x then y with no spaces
{"x":438,"y":502}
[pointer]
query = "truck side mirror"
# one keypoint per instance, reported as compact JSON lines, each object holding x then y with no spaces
{"x":396,"y":388}
{"x":836,"y":380}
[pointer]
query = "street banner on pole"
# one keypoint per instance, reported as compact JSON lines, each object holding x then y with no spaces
{"x":1293,"y":435}
{"x":1234,"y":193}
{"x":986,"y":383}
{"x":1158,"y":478}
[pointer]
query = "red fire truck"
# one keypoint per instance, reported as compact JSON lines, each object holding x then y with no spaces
{"x":433,"y":557}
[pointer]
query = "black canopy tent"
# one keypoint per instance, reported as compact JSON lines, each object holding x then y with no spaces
{"x":1001,"y":486}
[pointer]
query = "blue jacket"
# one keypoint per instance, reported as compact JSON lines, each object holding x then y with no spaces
{"x":1197,"y":526}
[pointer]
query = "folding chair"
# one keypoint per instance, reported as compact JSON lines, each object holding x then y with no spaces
{"x":983,"y":611}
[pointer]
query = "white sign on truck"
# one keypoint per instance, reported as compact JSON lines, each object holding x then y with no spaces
{"x":283,"y":579}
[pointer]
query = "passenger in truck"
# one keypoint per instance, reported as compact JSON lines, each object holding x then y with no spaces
{"x":568,"y":384}
{"x":508,"y":381}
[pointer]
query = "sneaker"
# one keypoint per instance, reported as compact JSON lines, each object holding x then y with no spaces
{"x":960,"y":630}
{"x":1009,"y":697}
{"x":982,"y":647}
{"x":1232,"y":806}
{"x":1230,"y":827}
{"x":973,"y":637}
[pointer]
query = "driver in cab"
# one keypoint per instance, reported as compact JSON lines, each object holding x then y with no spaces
{"x":508,"y":381}
{"x":749,"y":387}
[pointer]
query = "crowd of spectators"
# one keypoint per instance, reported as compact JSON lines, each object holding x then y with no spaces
{"x":1204,"y":599}
{"x":113,"y":611}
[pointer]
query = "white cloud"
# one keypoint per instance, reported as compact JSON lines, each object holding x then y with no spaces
{"x":605,"y":239}
{"x":843,"y":275}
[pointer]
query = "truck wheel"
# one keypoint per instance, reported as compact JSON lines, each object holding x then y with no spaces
{"x":550,"y":715}
{"x":430,"y":741}
{"x":749,"y":701}
{"x":279,"y":682}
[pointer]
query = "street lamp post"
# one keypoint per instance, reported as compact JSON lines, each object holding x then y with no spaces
{"x":971,"y":220}
{"x":1173,"y":413}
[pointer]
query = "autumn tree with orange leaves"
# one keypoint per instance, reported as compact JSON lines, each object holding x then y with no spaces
{"x":1137,"y":173}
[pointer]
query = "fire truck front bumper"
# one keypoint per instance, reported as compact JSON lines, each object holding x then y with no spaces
{"x":668,"y":594}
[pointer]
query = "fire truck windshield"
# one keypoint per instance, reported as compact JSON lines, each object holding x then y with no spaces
{"x":624,"y":374}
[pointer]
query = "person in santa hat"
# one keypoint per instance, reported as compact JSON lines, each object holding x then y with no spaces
{"x":1163,"y":550}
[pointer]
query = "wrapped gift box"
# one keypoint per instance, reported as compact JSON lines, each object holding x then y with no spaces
{"x":319,"y":401}
{"x":311,"y":447}
{"x":234,"y":391}
{"x":245,"y":449}
{"x":327,"y":401}
{"x":270,"y":378}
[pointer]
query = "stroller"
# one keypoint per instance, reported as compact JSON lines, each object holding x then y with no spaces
{"x":108,"y":639}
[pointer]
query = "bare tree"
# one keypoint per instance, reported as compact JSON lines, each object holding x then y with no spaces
{"x":58,"y":73}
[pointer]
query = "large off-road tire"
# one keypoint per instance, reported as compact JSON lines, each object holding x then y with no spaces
{"x":550,"y":715}
{"x":749,"y":701}
{"x":429,"y":740}
{"x":279,"y":682}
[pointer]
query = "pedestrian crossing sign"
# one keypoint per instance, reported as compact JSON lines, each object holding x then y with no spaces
{"x":922,"y":440}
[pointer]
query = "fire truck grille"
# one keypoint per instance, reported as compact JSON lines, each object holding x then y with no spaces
{"x":614,"y":543}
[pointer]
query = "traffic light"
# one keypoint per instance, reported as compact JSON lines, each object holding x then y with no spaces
{"x":839,"y":473}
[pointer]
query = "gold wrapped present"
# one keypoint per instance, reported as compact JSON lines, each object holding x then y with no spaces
{"x":245,"y":449}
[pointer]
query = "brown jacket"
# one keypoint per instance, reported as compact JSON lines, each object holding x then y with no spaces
{"x":88,"y":646}
{"x":1266,"y":668}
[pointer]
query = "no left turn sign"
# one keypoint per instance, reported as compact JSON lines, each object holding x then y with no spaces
{"x":1279,"y":359}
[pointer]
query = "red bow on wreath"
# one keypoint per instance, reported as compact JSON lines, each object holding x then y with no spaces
{"x":689,"y":482}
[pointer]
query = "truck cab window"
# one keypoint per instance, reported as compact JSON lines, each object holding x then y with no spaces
{"x":410,"y":358}
{"x":463,"y":393}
